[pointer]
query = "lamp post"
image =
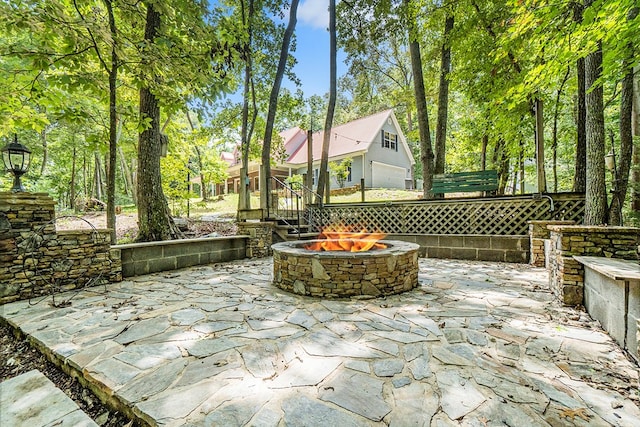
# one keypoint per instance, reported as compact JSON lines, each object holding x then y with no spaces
{"x":16,"y":159}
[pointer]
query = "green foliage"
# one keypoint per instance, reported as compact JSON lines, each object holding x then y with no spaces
{"x":505,"y":54}
{"x":295,"y":181}
{"x":341,"y":170}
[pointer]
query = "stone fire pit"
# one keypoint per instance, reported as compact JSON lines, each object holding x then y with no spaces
{"x":339,"y":274}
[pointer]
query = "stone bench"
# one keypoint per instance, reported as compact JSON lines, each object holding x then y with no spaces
{"x":612,"y":296}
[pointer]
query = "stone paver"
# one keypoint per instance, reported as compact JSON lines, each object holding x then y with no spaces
{"x":477,"y":344}
{"x":32,"y":400}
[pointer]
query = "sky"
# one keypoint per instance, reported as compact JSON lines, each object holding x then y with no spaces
{"x":312,"y":50}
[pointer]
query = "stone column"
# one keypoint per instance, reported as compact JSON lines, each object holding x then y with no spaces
{"x":260,"y":237}
{"x":566,"y":275}
{"x":20,"y":215}
{"x":538,"y":233}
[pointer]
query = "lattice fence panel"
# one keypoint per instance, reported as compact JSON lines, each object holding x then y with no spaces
{"x":491,"y":216}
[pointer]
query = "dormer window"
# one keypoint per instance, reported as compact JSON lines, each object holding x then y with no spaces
{"x":389,"y":140}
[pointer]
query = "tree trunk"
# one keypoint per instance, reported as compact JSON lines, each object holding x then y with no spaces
{"x":443,"y":98}
{"x":113,"y":127}
{"x":501,"y":163}
{"x":43,"y":138}
{"x":85,"y":188}
{"x":580,"y":176}
{"x":596,"y":192}
{"x":635,"y":120}
{"x":204,"y":183}
{"x":539,"y":133}
{"x":97,"y":176}
{"x":426,"y":148}
{"x":521,"y":166}
{"x":128,"y":176}
{"x":244,"y":198}
{"x":154,"y":220}
{"x":483,"y":152}
{"x":323,"y":177}
{"x":554,"y":134}
{"x":72,"y":184}
{"x":273,"y":105}
{"x":626,"y":138}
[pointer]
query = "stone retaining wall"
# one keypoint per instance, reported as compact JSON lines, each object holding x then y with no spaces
{"x":472,"y":247}
{"x":152,"y":257}
{"x":566,"y":275}
{"x":34,"y":257}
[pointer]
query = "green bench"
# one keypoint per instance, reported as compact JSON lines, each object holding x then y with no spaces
{"x":465,"y":182}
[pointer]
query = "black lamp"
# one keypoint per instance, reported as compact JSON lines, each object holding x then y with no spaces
{"x":16,"y":160}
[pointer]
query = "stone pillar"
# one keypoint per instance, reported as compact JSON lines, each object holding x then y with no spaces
{"x":20,"y":215}
{"x":33,"y":255}
{"x":566,"y":275}
{"x":538,"y":233}
{"x":260,"y":238}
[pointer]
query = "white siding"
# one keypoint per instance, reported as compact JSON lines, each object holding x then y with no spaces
{"x":387,"y":176}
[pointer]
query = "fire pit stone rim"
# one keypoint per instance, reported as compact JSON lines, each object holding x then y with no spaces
{"x":297,"y":248}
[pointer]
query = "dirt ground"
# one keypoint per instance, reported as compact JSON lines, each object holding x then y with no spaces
{"x":127,"y":225}
{"x":18,"y":357}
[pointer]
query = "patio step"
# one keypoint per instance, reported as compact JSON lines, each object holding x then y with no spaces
{"x":33,"y":397}
{"x":287,"y":233}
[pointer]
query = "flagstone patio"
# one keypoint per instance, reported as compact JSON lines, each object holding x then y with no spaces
{"x":477,"y":344}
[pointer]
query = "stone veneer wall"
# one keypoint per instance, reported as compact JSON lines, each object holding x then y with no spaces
{"x":260,"y":237}
{"x":538,"y":233}
{"x":68,"y":258}
{"x":566,"y":275}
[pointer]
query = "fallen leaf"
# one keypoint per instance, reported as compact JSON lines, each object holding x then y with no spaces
{"x":572,"y":413}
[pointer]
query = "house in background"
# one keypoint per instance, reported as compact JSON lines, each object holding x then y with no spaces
{"x":376,"y":145}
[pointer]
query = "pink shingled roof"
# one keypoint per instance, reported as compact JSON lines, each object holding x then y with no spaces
{"x":292,"y":138}
{"x":348,"y":138}
{"x":228,"y":157}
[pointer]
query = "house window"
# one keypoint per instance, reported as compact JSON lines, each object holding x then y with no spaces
{"x":315,"y":176}
{"x":389,"y":140}
{"x":349,"y":176}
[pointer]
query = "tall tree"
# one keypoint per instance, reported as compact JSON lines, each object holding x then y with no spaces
{"x":154,"y":219}
{"x":328,"y":123}
{"x":273,"y":105}
{"x":635,"y":125}
{"x":626,"y":133}
{"x":596,"y":192}
{"x":443,"y":96}
{"x":111,"y":66}
{"x":426,"y":148}
{"x":580,"y":177}
{"x":248,"y":91}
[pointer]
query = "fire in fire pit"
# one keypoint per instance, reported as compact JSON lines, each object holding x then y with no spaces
{"x":342,"y":238}
{"x":389,"y":267}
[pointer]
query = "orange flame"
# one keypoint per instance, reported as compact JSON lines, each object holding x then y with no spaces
{"x":342,"y":238}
